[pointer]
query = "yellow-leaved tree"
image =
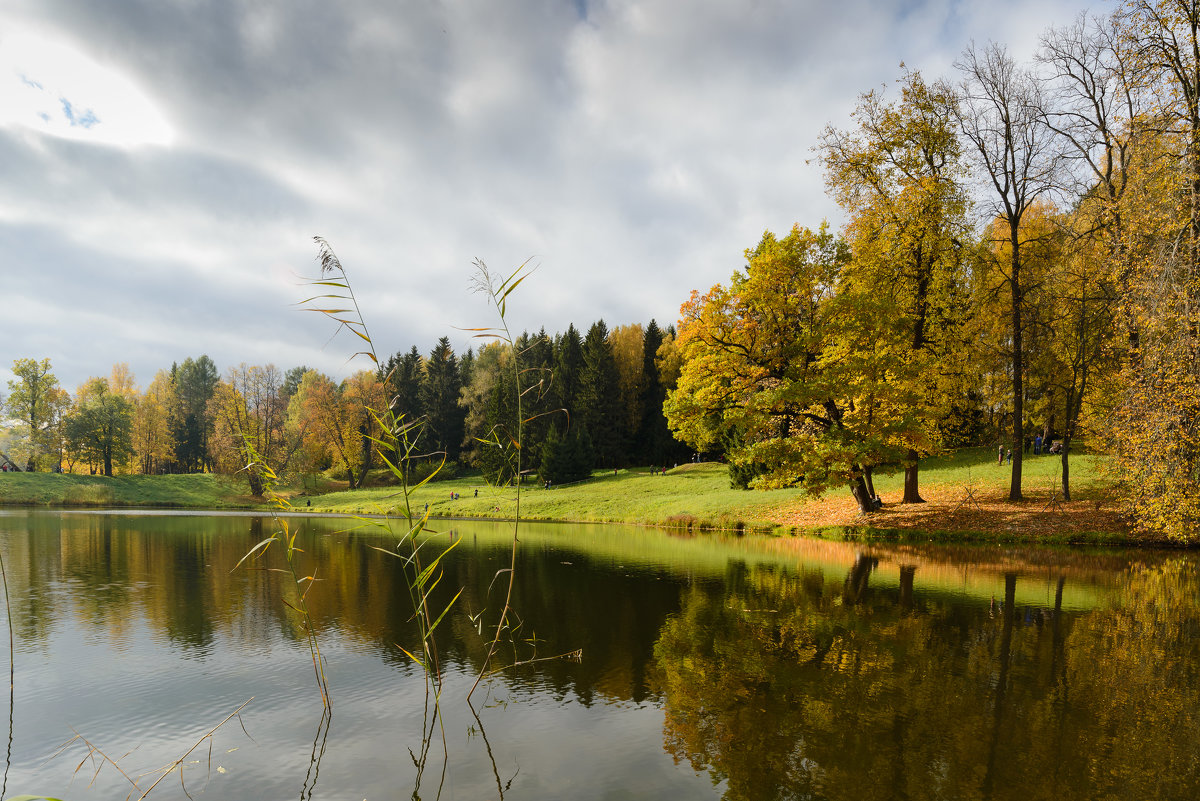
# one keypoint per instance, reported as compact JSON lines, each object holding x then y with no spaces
{"x":248,"y":410}
{"x":780,"y":369}
{"x":153,"y":442}
{"x":340,"y":419}
{"x":898,"y":174}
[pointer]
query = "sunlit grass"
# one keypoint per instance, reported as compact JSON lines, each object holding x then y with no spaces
{"x":198,"y":491}
{"x":695,"y":494}
{"x":698,"y":493}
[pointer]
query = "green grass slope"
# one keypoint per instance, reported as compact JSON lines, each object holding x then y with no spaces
{"x":200,"y":491}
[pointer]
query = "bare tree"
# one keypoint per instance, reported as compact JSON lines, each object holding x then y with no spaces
{"x":1002,"y":116}
{"x":1093,"y":79}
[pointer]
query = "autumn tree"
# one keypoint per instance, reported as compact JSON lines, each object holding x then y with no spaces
{"x":340,"y":419}
{"x":249,"y":414}
{"x":99,"y":428}
{"x":1097,"y":112}
{"x":153,"y":444}
{"x":487,"y":403}
{"x":779,"y":367}
{"x":292,"y":379}
{"x":629,"y":355}
{"x":898,"y":173}
{"x":37,"y":403}
{"x":1154,"y":425}
{"x":1001,"y":115}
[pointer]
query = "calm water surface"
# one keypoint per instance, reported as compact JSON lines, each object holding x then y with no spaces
{"x":711,"y":668}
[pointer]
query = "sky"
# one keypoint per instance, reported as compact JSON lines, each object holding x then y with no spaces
{"x":165,"y":164}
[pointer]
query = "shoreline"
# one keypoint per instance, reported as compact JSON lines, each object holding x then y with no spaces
{"x":965,"y":502}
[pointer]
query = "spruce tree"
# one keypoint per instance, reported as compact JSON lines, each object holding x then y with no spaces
{"x":439,"y":393}
{"x":599,"y":398}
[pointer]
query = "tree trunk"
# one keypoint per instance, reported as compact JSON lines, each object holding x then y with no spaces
{"x":912,"y":492}
{"x":1018,"y":366}
{"x":857,"y":579}
{"x":1066,"y":468}
{"x":866,"y":502}
{"x":1005,"y":658}
{"x":869,"y":477}
{"x":1047,"y":430}
{"x":256,"y":482}
{"x":906,"y":586}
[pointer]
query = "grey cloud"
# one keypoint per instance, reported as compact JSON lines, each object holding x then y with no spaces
{"x":62,"y":173}
{"x":633,"y":148}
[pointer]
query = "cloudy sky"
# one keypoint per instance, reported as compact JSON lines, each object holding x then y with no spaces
{"x":164,"y":164}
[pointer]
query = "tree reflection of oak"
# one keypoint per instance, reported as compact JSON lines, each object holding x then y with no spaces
{"x":808,"y":686}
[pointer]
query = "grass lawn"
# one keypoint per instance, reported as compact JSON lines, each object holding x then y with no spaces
{"x":200,"y":490}
{"x":688,"y":492}
{"x":700,"y":495}
{"x":689,"y":496}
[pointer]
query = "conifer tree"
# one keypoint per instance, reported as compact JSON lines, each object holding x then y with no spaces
{"x":439,"y":396}
{"x":598,"y":401}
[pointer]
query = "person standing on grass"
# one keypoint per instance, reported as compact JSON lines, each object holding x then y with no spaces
{"x":1000,"y":461}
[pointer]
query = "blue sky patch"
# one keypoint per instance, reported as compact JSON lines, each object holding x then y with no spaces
{"x":85,"y":120}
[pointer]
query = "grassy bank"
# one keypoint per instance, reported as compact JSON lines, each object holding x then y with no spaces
{"x":687,"y":494}
{"x":700,"y":496}
{"x":694,"y":496}
{"x":199,"y":491}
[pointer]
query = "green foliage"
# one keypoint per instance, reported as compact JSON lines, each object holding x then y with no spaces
{"x":194,"y":383}
{"x":37,"y":403}
{"x":784,"y":368}
{"x":439,"y":393}
{"x":598,"y":403}
{"x":402,"y":375}
{"x":567,"y":459}
{"x":99,"y":430}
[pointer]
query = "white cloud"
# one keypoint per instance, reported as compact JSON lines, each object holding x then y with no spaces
{"x":634,"y":151}
{"x":52,"y":86}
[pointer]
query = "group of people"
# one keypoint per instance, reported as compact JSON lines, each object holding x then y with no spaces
{"x":1040,"y":446}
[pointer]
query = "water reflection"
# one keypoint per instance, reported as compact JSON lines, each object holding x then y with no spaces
{"x":797,"y":685}
{"x":743,"y":669}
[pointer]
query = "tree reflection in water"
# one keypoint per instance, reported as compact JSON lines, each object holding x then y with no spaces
{"x":784,"y":667}
{"x":795,"y":685}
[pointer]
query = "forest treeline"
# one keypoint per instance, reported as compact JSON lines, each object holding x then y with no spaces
{"x":1020,"y":266}
{"x":593,"y":400}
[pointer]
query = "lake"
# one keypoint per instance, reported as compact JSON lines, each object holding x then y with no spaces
{"x":708,"y":667}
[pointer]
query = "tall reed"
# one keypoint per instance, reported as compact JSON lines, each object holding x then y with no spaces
{"x":503,"y":437}
{"x":399,"y":447}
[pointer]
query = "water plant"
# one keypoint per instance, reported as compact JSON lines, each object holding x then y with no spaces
{"x":398,"y":446}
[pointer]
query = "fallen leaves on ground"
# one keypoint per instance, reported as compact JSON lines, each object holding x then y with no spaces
{"x":948,"y":508}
